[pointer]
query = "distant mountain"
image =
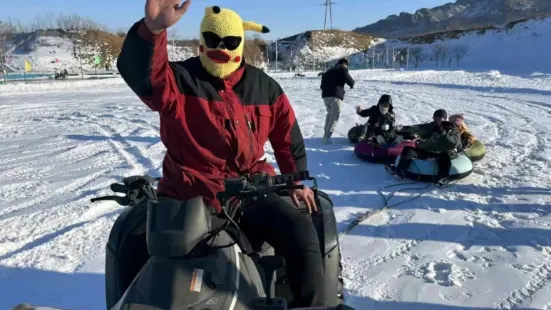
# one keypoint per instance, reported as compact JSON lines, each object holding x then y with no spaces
{"x":461,"y":15}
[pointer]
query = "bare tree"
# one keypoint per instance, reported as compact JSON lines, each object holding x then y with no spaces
{"x":460,"y":51}
{"x":49,"y":20}
{"x":439,"y":51}
{"x":445,"y":51}
{"x":76,"y":23}
{"x":14,"y":26}
{"x":121,"y":32}
{"x":172,"y":38}
{"x":253,"y":53}
{"x":38,"y":23}
{"x":418,"y":54}
{"x":6,"y":33}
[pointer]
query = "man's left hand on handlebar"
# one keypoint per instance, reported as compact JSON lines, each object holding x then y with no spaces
{"x":305,"y":195}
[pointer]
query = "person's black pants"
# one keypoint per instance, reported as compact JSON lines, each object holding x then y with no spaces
{"x":409,"y":153}
{"x":293,"y":235}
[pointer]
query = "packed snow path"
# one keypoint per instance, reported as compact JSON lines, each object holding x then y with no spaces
{"x":483,"y":243}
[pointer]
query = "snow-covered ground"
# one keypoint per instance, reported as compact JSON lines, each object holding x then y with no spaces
{"x":483,"y":243}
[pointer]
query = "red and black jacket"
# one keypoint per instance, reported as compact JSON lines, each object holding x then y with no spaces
{"x":212,"y":128}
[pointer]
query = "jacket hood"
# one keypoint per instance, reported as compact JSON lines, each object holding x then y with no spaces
{"x":388,"y":99}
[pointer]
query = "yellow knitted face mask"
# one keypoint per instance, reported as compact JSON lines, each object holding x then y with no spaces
{"x":222,"y":39}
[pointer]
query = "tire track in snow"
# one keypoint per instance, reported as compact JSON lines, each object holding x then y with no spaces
{"x":400,"y":250}
{"x":504,"y":120}
{"x":525,"y":155}
{"x":132,"y":155}
{"x":43,"y":199}
{"x":540,"y":277}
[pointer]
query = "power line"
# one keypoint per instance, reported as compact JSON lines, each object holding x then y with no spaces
{"x":328,"y":9}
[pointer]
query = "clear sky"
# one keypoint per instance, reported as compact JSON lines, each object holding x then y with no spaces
{"x":283,"y":17}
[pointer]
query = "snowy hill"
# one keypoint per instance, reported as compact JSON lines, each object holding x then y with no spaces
{"x":50,"y":50}
{"x":461,"y":15}
{"x":517,"y":48}
{"x":311,"y":49}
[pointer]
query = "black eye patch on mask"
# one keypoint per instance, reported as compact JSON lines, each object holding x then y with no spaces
{"x":212,"y":40}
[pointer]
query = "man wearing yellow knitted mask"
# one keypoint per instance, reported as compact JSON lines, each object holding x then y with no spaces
{"x":216,"y":113}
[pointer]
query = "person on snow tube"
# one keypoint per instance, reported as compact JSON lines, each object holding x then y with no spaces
{"x":216,"y":113}
{"x":439,"y":139}
{"x":467,"y":138}
{"x":380,"y":127}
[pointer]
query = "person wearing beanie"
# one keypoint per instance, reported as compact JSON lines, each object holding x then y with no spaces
{"x":216,"y":114}
{"x":438,"y":139}
{"x":381,"y":124}
{"x":332,"y":93}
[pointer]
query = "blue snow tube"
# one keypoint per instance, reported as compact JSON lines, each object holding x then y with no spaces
{"x":426,"y":170}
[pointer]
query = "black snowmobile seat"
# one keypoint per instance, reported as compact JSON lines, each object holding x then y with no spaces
{"x":175,"y":227}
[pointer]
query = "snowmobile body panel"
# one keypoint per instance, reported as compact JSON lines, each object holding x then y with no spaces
{"x":127,"y":252}
{"x":326,"y":228}
{"x":224,"y":280}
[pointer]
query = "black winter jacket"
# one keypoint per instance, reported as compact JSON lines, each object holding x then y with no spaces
{"x":437,"y":140}
{"x":333,"y":80}
{"x":376,"y":119}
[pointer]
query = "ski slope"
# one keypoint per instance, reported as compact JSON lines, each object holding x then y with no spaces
{"x":483,"y":243}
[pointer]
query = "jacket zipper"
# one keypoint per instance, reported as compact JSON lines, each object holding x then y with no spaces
{"x":250,"y":133}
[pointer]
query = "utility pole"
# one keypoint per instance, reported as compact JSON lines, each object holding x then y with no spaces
{"x":277,"y":54}
{"x":267,"y":58}
{"x":407,"y":60}
{"x":328,"y":9}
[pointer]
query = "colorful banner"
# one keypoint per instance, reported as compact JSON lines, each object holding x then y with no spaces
{"x":28,"y":66}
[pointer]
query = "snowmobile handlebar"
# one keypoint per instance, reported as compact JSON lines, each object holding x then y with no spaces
{"x":137,"y":189}
{"x":261,"y":184}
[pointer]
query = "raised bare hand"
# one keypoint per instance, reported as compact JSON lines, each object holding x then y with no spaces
{"x":162,"y":14}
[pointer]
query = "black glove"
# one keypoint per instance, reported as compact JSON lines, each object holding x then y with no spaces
{"x":139,"y":189}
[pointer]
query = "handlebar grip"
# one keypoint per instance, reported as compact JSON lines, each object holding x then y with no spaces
{"x":118,"y":188}
{"x":123,"y":201}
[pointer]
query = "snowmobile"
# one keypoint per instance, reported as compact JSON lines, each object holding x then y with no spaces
{"x":190,"y":265}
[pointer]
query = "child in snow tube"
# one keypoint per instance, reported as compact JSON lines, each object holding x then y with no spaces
{"x":381,"y":124}
{"x":439,"y":140}
{"x":472,"y":147}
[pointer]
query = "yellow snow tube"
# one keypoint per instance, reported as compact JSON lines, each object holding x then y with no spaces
{"x":476,"y":152}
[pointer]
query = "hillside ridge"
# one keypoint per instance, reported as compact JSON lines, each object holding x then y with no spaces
{"x":460,"y":15}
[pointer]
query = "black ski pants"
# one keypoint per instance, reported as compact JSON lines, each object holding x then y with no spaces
{"x":409,"y":153}
{"x":293,"y":236}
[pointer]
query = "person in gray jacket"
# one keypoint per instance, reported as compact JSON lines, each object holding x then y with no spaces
{"x":438,"y":139}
